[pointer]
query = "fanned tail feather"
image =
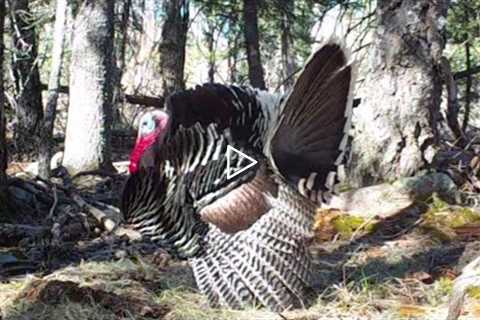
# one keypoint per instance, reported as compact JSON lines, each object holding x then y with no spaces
{"x":309,"y":142}
{"x":268,"y":264}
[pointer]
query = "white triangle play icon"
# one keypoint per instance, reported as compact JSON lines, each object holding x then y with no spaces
{"x":232,"y":172}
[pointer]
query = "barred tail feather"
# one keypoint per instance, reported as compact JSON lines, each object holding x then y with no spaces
{"x":309,"y":141}
{"x":267,"y":264}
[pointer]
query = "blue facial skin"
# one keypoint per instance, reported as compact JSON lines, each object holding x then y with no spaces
{"x":148,"y":125}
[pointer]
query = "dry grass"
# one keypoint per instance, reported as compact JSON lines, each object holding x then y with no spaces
{"x":408,"y":276}
{"x":361,"y":299}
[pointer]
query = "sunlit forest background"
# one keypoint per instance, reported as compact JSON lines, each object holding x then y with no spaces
{"x":401,"y":239}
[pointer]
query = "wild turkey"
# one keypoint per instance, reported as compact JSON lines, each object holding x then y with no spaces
{"x":245,"y":111}
{"x":246,"y":238}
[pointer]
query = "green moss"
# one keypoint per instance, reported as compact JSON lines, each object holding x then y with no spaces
{"x":441,"y":219}
{"x":346,"y":225}
{"x":344,"y":187}
{"x":473,"y":292}
{"x":437,"y":204}
{"x":452,"y":217}
{"x":444,"y":286}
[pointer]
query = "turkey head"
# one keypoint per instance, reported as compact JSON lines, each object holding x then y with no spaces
{"x":152,"y":129}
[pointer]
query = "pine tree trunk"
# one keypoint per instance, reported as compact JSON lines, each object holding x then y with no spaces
{"x":255,"y":69}
{"x":288,"y":57}
{"x":120,"y":47}
{"x":396,"y":123}
{"x":87,"y":141}
{"x":46,"y":133}
{"x":3,"y":144}
{"x":172,"y":45}
{"x":468,"y":84}
{"x":209,"y":37}
{"x":233,"y":56}
{"x":145,"y":67}
{"x":124,"y":37}
{"x":28,"y":92}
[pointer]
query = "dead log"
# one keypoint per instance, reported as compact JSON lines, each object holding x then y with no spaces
{"x":104,"y":220}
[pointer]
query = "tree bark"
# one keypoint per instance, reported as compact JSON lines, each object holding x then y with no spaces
{"x":233,"y":59}
{"x":28,"y":94}
{"x":255,"y":69}
{"x":3,"y":144}
{"x":172,"y":45}
{"x":46,"y":133}
{"x":120,"y":46}
{"x":288,"y":57}
{"x":210,"y":38}
{"x":87,"y":141}
{"x":144,"y":66}
{"x":396,"y":124}
{"x":468,"y":85}
{"x":124,"y":34}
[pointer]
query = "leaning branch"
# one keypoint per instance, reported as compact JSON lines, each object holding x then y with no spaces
{"x":156,"y":102}
{"x":466,"y":73}
{"x":452,"y":102}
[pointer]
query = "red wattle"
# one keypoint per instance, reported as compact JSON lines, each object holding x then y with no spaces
{"x":140,"y":147}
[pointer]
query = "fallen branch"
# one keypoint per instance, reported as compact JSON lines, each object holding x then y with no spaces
{"x":452,"y":102}
{"x":102,"y":218}
{"x":98,"y":172}
{"x":55,"y":201}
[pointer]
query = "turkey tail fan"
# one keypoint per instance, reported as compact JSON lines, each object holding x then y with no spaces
{"x":265,"y":265}
{"x":310,"y":139}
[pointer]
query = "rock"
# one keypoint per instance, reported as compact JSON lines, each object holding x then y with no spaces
{"x":389,"y":199}
{"x":469,"y":279}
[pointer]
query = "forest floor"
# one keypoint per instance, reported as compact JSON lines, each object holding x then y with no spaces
{"x":65,"y":265}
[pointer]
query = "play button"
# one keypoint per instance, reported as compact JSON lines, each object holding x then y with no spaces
{"x":232,"y":172}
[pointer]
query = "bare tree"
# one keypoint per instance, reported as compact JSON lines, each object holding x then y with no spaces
{"x":288,"y":56}
{"x":468,"y":85}
{"x":255,"y":69}
{"x":172,"y":45}
{"x":45,"y":147}
{"x":210,"y":38}
{"x":233,"y":58}
{"x":396,"y":123}
{"x":87,"y":141}
{"x":124,"y":37}
{"x":3,"y":144}
{"x":144,"y":66}
{"x":28,"y":100}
